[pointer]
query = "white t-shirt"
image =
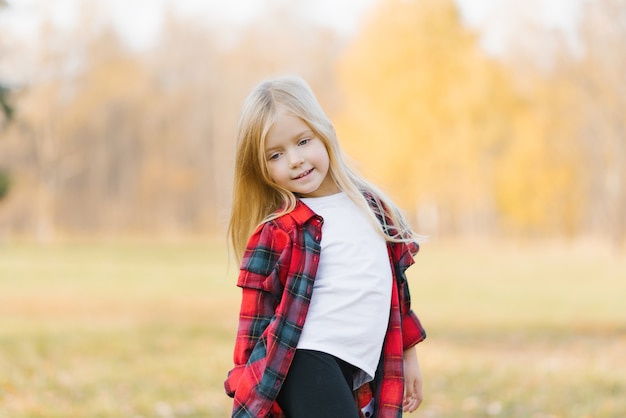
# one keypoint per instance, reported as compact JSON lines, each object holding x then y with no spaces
{"x":349,"y":310}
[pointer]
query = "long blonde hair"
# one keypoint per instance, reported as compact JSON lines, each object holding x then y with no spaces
{"x":257,"y":199}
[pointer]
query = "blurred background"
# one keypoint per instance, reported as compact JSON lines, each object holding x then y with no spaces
{"x":499,"y":127}
{"x":481,"y":118}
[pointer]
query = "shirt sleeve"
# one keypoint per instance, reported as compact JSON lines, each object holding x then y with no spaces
{"x":412,"y":330}
{"x":262,"y":284}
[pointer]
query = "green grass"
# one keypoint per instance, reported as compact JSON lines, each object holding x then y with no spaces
{"x":145,"y":329}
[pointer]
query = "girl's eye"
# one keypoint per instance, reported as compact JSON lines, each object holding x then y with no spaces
{"x":304,"y":141}
{"x":273,"y":156}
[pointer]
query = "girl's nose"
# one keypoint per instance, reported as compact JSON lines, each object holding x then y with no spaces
{"x":295,"y":159}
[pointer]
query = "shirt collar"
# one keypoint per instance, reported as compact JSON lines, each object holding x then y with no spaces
{"x":302,"y":213}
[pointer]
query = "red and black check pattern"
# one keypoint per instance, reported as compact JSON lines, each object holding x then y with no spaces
{"x":277,"y":274}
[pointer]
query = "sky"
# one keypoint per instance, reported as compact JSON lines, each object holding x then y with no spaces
{"x":138,"y":20}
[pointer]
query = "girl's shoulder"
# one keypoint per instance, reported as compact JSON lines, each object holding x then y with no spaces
{"x":376,"y":205}
{"x":281,"y":222}
{"x":391,"y":219}
{"x":288,"y":220}
{"x":368,"y":194}
{"x":276,"y":234}
{"x":373,"y":198}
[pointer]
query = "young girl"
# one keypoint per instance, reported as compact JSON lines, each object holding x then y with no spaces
{"x":325,"y":327}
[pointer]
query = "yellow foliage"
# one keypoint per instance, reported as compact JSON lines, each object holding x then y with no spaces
{"x":446,"y":128}
{"x":419,"y":109}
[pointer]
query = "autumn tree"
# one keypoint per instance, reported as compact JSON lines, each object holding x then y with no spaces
{"x":6,"y":112}
{"x":570,"y":144}
{"x":5,"y":108}
{"x":425,"y":113}
{"x":599,"y":79}
{"x":118,"y":141}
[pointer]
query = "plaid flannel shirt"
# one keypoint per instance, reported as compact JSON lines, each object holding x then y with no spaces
{"x":277,"y":274}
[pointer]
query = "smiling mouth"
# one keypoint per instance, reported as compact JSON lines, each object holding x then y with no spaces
{"x":303,"y":174}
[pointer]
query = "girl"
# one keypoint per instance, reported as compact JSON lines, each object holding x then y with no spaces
{"x":325,"y":327}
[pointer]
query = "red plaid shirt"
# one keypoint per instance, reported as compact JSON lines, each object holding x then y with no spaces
{"x":277,"y":274}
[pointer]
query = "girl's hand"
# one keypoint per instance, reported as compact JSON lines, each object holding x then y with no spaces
{"x":413,"y":395}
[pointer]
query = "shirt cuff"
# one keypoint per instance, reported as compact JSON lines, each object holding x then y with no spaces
{"x":412,"y":330}
{"x":233,"y":380}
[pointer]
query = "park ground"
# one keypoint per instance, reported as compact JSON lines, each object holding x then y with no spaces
{"x":141,"y":328}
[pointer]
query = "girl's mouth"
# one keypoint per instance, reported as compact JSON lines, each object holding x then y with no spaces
{"x":303,"y":174}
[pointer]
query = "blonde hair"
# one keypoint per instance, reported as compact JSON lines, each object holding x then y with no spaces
{"x":257,"y":199}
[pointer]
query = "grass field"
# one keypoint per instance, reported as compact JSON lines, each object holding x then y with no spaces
{"x":139,"y":329}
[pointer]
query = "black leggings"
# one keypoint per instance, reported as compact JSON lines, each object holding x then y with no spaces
{"x":318,"y":385}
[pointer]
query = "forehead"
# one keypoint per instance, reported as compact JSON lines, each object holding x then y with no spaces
{"x":286,"y":128}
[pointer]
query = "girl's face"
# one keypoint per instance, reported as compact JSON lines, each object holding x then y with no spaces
{"x":297,"y":160}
